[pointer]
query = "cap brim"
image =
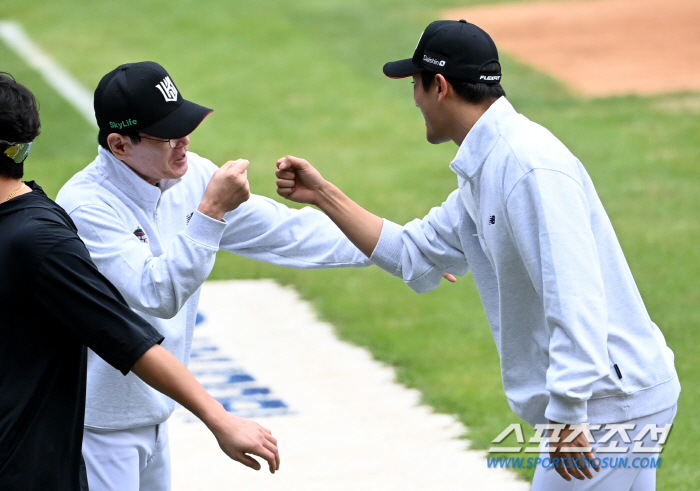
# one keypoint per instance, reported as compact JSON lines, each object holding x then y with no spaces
{"x":401,"y":69}
{"x":180,"y":122}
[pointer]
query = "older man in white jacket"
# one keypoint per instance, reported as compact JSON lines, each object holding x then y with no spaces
{"x":153,"y":216}
{"x":575,"y":340}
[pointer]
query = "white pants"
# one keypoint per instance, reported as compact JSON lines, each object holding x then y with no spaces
{"x":633,"y":476}
{"x":136,"y":459}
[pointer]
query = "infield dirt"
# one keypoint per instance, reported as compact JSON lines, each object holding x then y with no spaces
{"x":601,"y":47}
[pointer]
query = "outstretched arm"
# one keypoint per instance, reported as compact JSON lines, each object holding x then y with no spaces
{"x":299,"y":181}
{"x":237,"y":436}
{"x":90,"y":309}
{"x":158,"y":284}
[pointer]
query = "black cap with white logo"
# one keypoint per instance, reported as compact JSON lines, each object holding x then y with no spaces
{"x":454,"y":48}
{"x":142,"y":96}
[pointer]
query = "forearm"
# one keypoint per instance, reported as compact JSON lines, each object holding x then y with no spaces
{"x":360,"y":226}
{"x":237,"y":437}
{"x":265,"y":230}
{"x":165,"y":373}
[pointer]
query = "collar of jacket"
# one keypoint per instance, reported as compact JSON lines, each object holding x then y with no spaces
{"x":130,"y":183}
{"x":481,"y":139}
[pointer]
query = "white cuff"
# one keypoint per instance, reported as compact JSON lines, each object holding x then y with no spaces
{"x":566,"y":410}
{"x":205,"y":230}
{"x":387,"y":253}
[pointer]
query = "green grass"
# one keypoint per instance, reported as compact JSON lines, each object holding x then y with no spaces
{"x":305,"y":78}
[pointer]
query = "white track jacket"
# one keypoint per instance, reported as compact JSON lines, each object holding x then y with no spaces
{"x":575,"y":340}
{"x":153,"y":245}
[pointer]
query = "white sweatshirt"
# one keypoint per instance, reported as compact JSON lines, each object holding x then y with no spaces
{"x":153,"y":245}
{"x":563,"y":307}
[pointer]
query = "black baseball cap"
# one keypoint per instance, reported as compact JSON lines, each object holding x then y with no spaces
{"x":143,"y":97}
{"x":454,"y":48}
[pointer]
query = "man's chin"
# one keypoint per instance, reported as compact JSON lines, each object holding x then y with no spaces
{"x":435,"y":140}
{"x":179,"y":170}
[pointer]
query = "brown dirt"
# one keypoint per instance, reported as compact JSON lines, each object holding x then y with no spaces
{"x":601,"y":47}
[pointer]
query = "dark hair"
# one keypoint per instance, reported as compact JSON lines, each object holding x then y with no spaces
{"x":473,"y":93}
{"x":103,"y":134}
{"x":19,"y":121}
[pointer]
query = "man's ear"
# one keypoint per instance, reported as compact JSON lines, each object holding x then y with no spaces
{"x":443,"y":86}
{"x":118,"y":143}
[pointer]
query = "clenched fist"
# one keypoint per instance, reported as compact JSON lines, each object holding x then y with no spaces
{"x":297,"y":180}
{"x":227,"y":189}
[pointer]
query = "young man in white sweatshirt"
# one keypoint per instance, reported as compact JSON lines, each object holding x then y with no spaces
{"x":575,"y":340}
{"x":153,"y":217}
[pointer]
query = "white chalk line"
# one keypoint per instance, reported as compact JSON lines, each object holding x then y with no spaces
{"x":56,"y":76}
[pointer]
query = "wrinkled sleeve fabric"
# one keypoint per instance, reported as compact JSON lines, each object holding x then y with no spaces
{"x":422,"y":250}
{"x":550,"y":221}
{"x":88,"y":306}
{"x":155,"y":285}
{"x":268,"y":231}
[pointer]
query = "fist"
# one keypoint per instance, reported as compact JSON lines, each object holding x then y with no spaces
{"x":297,"y":180}
{"x":227,"y":189}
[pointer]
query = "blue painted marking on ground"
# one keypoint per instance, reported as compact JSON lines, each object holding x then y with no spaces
{"x":229,"y":383}
{"x":256,"y":390}
{"x":200,"y":318}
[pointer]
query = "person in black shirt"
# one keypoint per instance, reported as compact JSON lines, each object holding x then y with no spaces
{"x":53,"y":303}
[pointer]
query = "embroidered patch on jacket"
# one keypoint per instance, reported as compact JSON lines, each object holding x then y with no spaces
{"x":189,"y":217}
{"x":141,"y":235}
{"x":492,"y":220}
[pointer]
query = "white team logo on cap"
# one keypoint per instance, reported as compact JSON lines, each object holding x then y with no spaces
{"x":167,"y":88}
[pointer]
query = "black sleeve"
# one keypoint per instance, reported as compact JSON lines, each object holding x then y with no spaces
{"x":87,"y":305}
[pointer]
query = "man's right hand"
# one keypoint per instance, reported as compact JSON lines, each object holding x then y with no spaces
{"x":297,"y":180}
{"x":227,"y":189}
{"x":239,"y":437}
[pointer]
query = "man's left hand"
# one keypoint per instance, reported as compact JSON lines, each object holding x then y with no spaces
{"x":576,"y":457}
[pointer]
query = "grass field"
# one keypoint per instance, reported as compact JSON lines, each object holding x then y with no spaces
{"x":305,"y":78}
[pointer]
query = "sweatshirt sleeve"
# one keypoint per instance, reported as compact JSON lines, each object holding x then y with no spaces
{"x":68,"y":284}
{"x":268,"y":231}
{"x":155,"y":285}
{"x":550,"y":221}
{"x":422,"y":250}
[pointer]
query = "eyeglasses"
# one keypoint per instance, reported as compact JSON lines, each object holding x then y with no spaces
{"x":172,"y":142}
{"x":16,"y":151}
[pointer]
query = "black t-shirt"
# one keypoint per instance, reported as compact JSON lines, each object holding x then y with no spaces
{"x":53,"y":303}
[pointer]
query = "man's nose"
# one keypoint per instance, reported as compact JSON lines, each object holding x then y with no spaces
{"x":181,"y":142}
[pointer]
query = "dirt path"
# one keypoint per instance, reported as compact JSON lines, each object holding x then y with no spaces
{"x":601,"y":47}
